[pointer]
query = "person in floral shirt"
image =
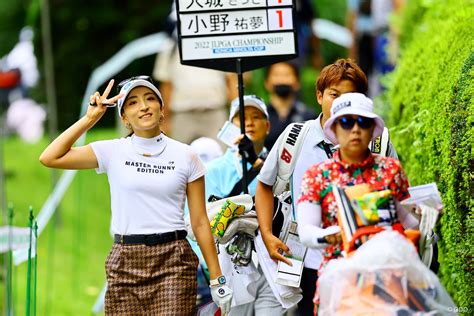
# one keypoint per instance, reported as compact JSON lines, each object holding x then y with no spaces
{"x":352,"y":125}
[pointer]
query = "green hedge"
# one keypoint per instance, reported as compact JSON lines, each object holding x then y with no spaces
{"x":432,"y":108}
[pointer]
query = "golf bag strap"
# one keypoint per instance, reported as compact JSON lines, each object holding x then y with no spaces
{"x":380,"y":144}
{"x":288,"y":150}
{"x":237,"y":189}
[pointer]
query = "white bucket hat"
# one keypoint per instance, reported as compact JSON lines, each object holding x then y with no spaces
{"x":352,"y":104}
{"x":132,"y":83}
{"x":249,"y":100}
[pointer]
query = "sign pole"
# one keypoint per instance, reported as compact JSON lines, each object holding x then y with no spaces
{"x":240,"y":80}
{"x":10,"y":263}
{"x":236,"y":36}
{"x":28,"y":271}
{"x":3,"y":206}
{"x":35,"y":267}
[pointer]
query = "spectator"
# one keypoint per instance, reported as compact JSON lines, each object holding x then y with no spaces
{"x":196,"y":97}
{"x":282,"y":82}
{"x":207,"y":148}
{"x":308,"y":42}
{"x":223,"y":180}
{"x":226,"y":170}
{"x":368,"y":20}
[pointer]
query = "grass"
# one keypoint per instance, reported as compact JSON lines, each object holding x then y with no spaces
{"x":73,"y":247}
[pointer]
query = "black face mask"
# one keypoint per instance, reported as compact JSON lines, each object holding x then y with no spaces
{"x":283,"y":90}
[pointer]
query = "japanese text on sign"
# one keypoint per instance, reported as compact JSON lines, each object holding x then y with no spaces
{"x":235,"y":22}
{"x":205,"y":5}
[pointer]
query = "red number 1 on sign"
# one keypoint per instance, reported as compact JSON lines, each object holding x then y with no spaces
{"x":280,"y":17}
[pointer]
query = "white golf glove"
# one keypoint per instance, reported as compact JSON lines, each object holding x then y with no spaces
{"x":222,"y":296}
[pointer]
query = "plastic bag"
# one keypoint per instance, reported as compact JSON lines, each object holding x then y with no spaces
{"x":385,"y":276}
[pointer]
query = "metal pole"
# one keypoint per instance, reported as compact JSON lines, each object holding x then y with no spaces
{"x":3,"y":190}
{"x":3,"y":202}
{"x":49,"y":77}
{"x":49,"y":279}
{"x":28,"y":273}
{"x":9,"y":296}
{"x":35,"y":268}
{"x":15,"y":289}
{"x":240,"y":79}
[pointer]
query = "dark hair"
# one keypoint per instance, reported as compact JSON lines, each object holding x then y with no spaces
{"x":293,"y":66}
{"x":342,"y":69}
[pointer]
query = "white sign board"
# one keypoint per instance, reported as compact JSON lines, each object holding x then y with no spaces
{"x":218,"y":29}
{"x":14,"y":238}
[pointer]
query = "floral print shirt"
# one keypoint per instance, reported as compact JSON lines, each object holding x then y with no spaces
{"x":381,"y":173}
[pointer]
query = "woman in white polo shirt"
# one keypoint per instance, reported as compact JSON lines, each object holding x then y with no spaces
{"x":151,"y":268}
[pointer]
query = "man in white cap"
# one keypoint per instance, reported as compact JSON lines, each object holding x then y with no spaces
{"x":253,"y":294}
{"x":226,"y":171}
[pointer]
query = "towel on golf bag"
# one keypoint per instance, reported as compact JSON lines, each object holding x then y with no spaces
{"x":213,"y":208}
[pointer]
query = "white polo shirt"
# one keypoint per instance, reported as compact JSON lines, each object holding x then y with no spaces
{"x":309,"y":155}
{"x":147,"y":193}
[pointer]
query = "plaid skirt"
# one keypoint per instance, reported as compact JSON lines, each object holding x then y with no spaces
{"x":151,"y":280}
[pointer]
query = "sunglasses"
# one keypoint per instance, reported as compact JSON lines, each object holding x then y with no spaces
{"x":124,"y":82}
{"x":349,"y":122}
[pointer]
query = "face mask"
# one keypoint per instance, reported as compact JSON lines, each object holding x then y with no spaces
{"x":283,"y":90}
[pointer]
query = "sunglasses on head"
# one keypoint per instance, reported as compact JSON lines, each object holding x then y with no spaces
{"x":348,"y":122}
{"x":124,"y":82}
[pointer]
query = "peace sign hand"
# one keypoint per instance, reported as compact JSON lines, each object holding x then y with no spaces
{"x":98,"y":103}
